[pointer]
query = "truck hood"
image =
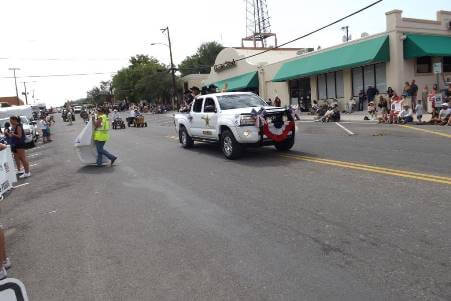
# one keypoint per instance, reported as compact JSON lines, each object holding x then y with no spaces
{"x":249,"y":110}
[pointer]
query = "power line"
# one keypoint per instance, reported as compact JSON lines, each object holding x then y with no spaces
{"x":312,"y":32}
{"x":64,"y":59}
{"x":59,"y":75}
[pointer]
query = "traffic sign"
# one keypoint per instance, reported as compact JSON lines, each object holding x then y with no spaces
{"x":437,"y":68}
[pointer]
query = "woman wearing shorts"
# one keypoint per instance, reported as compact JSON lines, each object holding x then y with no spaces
{"x":18,"y":146}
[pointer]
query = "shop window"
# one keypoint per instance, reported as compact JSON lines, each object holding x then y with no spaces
{"x":368,"y":77}
{"x":447,"y":64}
{"x":424,"y":64}
{"x":381,"y":78}
{"x":322,"y":90}
{"x":330,"y":79}
{"x":357,"y":81}
{"x":339,"y":84}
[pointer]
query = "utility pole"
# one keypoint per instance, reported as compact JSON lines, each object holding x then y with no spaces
{"x":346,"y":29}
{"x":174,"y":88}
{"x":15,"y":82}
{"x":25,"y":88}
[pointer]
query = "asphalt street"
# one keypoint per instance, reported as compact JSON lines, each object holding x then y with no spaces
{"x":361,"y":216}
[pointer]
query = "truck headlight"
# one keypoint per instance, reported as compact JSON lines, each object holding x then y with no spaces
{"x":246,"y":120}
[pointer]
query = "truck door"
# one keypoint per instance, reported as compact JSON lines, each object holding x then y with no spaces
{"x":209,"y":118}
{"x":196,"y":115}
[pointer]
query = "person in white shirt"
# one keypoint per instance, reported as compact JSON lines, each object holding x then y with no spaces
{"x":43,"y":126}
{"x":116,"y":115}
{"x":405,"y":115}
{"x":419,"y":110}
{"x":444,"y":114}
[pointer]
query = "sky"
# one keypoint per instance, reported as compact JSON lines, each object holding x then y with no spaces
{"x":49,"y":37}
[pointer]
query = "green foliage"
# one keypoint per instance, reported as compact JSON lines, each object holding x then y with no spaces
{"x":99,"y":95}
{"x":144,"y":79}
{"x":202,"y":60}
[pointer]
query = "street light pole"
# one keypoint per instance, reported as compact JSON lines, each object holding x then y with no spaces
{"x":174,"y":88}
{"x":15,"y":82}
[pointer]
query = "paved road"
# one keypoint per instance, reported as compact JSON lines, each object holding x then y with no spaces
{"x":361,"y":217}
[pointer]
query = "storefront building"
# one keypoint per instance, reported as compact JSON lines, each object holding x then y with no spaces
{"x":406,"y":51}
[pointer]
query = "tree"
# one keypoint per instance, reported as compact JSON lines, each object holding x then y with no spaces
{"x":202,"y":60}
{"x":99,"y":95}
{"x":144,"y":79}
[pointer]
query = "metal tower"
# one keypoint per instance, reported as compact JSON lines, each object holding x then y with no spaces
{"x":258,"y":26}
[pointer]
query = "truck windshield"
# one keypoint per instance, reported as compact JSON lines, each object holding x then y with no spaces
{"x":237,"y":101}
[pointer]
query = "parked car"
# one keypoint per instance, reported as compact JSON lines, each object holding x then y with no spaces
{"x":30,"y":130}
{"x":236,"y":120}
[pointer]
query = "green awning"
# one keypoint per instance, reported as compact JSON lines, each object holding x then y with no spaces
{"x":353,"y":55}
{"x":416,"y":45}
{"x":243,"y":81}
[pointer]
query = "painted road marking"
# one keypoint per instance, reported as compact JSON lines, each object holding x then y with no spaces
{"x":21,"y":185}
{"x":375,"y":169}
{"x":426,"y":131}
{"x":35,"y":148}
{"x":34,"y":155}
{"x":345,"y":129}
{"x":35,"y":164}
{"x":172,"y":137}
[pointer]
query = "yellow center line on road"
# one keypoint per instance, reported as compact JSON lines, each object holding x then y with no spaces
{"x":426,"y":131}
{"x":374,"y":169}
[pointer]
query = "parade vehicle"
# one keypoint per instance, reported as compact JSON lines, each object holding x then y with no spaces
{"x":118,"y":123}
{"x":236,"y":120}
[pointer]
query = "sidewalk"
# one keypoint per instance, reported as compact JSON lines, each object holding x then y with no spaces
{"x":357,"y":116}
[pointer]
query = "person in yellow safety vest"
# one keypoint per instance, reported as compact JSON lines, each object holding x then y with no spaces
{"x":101,"y":136}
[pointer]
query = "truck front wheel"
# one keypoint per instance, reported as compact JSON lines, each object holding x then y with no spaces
{"x":230,"y":147}
{"x":285,"y":145}
{"x":185,"y":138}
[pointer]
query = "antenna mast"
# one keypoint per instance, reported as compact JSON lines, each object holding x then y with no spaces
{"x":258,"y":25}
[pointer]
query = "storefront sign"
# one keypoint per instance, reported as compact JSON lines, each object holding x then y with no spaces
{"x":437,"y":68}
{"x":225,"y":66}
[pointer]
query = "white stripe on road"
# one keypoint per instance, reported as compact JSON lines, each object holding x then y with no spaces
{"x":34,"y":155}
{"x":345,"y":129}
{"x":35,"y":148}
{"x":32,"y":165}
{"x":21,"y":185}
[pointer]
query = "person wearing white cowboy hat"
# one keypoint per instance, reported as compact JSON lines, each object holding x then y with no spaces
{"x":444,"y":114}
{"x":406,"y":115}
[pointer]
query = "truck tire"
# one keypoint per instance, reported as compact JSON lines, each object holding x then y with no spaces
{"x":185,"y":138}
{"x":285,"y":145}
{"x":230,"y":147}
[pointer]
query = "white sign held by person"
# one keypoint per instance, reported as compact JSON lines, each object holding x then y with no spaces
{"x":7,"y":171}
{"x":12,"y":289}
{"x":84,"y":145}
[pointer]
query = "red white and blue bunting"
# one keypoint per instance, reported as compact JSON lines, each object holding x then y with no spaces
{"x":275,"y":134}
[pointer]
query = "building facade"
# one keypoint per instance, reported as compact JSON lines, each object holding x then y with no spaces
{"x":406,"y":51}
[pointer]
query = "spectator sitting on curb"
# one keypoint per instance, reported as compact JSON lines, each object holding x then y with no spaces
{"x":395,"y":107}
{"x":383,"y":105}
{"x":445,"y":114}
{"x":405,"y":115}
{"x":372,"y":110}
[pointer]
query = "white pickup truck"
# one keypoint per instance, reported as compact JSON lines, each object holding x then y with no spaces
{"x":236,"y":120}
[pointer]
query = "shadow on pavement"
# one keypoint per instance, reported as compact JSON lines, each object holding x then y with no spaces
{"x":94,"y":170}
{"x":253,"y":157}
